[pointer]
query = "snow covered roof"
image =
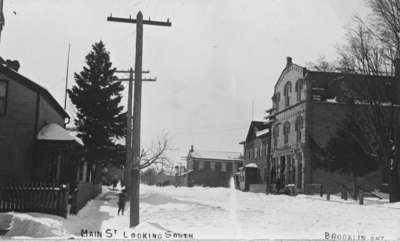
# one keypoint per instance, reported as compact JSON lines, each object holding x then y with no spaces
{"x":251,"y":165}
{"x":262,"y":132}
{"x":257,"y":129}
{"x":215,"y":155}
{"x":56,"y":132}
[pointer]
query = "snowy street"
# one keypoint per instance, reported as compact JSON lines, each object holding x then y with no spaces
{"x":212,"y":213}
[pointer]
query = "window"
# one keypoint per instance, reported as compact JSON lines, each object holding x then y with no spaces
{"x":286,"y":130}
{"x":201,"y":165}
{"x":3,"y":97}
{"x":286,"y":92}
{"x":299,"y":88}
{"x":298,"y":126}
{"x":212,"y":165}
{"x":223,"y":167}
{"x":275,"y":135}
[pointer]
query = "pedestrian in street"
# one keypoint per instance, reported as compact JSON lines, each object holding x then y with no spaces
{"x":121,"y":201}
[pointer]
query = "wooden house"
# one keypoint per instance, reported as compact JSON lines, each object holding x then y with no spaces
{"x":256,"y":150}
{"x":34,"y":146}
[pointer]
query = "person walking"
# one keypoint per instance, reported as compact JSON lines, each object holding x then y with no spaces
{"x":121,"y":201}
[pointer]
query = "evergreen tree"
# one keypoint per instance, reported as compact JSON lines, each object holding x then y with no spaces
{"x":346,"y":156}
{"x":343,"y":154}
{"x":99,"y":118}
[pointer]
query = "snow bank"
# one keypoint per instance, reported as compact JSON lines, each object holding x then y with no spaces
{"x":219,"y":213}
{"x":271,"y":216}
{"x":29,"y":226}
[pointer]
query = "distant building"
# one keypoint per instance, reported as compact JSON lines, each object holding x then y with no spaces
{"x":306,"y":105}
{"x":256,"y":150}
{"x":34,"y":146}
{"x":211,"y":168}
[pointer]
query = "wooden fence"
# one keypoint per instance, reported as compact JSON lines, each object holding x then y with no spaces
{"x":82,"y":194}
{"x":49,"y":198}
{"x":313,"y":189}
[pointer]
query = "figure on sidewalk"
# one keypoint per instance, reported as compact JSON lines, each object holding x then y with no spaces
{"x":121,"y":201}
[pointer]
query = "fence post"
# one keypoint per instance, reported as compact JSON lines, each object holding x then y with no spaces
{"x":65,"y":200}
{"x":12,"y":198}
{"x":321,"y":192}
{"x":40,"y":196}
{"x":1,"y":199}
{"x":361,"y":196}
{"x":328,"y":195}
{"x":344,"y":192}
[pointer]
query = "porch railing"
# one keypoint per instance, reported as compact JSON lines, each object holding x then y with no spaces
{"x":49,"y":198}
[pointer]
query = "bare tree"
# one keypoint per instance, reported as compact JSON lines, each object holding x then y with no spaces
{"x":372,"y":43}
{"x":321,"y":64}
{"x":364,"y":53}
{"x":150,"y":155}
{"x":155,"y":153}
{"x":371,"y":47}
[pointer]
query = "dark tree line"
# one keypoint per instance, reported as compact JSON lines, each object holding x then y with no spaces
{"x":372,"y":47}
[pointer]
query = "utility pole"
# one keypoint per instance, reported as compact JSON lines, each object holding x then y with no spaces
{"x":135,"y":168}
{"x":128,"y":140}
{"x":2,"y":21}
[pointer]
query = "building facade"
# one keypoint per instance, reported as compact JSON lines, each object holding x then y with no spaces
{"x":256,"y":154}
{"x":28,"y":149}
{"x":306,"y":105}
{"x":211,"y":168}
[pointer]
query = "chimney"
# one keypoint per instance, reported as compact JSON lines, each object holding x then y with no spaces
{"x":288,"y":61}
{"x":13,"y":64}
{"x":191,"y":148}
{"x":396,"y":85}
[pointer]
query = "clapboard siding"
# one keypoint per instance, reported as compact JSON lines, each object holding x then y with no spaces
{"x":17,"y":133}
{"x":27,"y":111}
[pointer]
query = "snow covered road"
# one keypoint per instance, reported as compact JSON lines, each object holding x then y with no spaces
{"x":212,"y":213}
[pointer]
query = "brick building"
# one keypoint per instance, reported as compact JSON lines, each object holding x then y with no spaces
{"x":256,"y":150}
{"x":307,"y":104}
{"x":211,"y":168}
{"x":34,"y":146}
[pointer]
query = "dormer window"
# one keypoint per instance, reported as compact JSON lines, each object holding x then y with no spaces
{"x":286,"y":92}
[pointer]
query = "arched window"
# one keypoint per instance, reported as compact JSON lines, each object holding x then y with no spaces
{"x":299,"y":88}
{"x":298,"y":126}
{"x":286,"y":92}
{"x":286,"y":131}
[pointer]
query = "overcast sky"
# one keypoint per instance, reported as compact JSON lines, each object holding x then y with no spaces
{"x":217,"y":58}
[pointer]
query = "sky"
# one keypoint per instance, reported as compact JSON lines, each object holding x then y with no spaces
{"x":216,"y":66}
